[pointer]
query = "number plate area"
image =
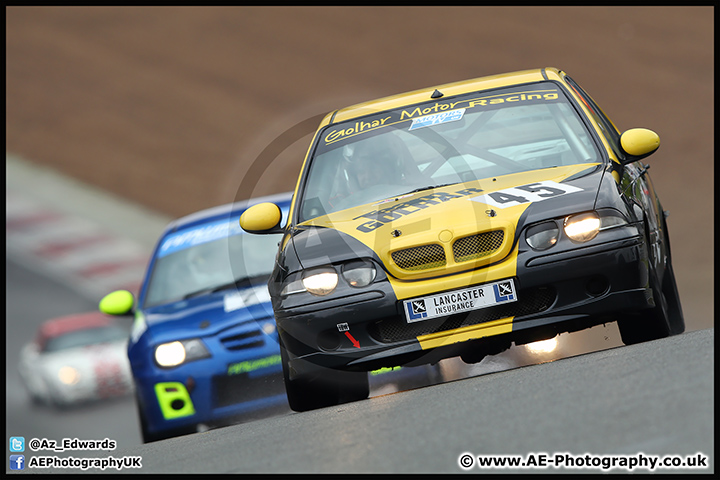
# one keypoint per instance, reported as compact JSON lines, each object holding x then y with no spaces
{"x":458,"y":301}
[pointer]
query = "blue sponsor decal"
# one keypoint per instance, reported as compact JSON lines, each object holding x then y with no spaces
{"x":503,"y":292}
{"x":202,"y":234}
{"x":416,"y":309}
{"x":437,"y":119}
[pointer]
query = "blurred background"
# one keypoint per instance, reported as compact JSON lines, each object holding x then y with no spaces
{"x":172,"y":109}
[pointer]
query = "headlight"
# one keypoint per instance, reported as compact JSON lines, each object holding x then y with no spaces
{"x":320,"y":281}
{"x":359,"y":274}
{"x":293,"y":287}
{"x":583,"y":227}
{"x":610,"y":218}
{"x":323,"y":281}
{"x":542,"y":236}
{"x":176,"y":353}
{"x":69,"y":375}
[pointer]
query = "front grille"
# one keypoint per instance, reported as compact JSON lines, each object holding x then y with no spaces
{"x":241,"y":341}
{"x":529,"y":301}
{"x":423,"y":257}
{"x":233,"y":389}
{"x":477,"y":246}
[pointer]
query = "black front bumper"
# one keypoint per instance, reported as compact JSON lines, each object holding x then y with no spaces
{"x":557,"y":292}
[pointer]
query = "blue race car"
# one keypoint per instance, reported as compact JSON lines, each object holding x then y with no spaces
{"x":203,"y":347}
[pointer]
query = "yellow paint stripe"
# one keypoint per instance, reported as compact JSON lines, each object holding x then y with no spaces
{"x":487,"y":329}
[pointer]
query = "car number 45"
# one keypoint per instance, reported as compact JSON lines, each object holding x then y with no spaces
{"x":532,"y":192}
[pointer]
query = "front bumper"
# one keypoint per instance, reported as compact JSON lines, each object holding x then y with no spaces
{"x":212,"y":391}
{"x":93,"y":386}
{"x":557,"y":292}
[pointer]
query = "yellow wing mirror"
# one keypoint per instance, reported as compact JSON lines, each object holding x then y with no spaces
{"x":638,"y":143}
{"x":120,"y":302}
{"x":262,"y":218}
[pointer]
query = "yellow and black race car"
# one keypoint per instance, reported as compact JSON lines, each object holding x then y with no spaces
{"x":457,"y":219}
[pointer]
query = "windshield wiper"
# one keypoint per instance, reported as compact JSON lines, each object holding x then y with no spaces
{"x":238,"y":282}
{"x":197,"y":293}
{"x":428,"y":187}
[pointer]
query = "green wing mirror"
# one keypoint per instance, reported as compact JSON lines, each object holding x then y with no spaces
{"x":638,"y":143}
{"x":120,"y":302}
{"x":262,"y":218}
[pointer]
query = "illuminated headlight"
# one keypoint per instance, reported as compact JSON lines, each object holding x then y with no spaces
{"x":583,"y":227}
{"x":176,"y":353}
{"x":542,"y":236}
{"x":69,"y":375}
{"x":320,"y":281}
{"x":359,"y":274}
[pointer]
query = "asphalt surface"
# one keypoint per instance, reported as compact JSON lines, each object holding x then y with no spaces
{"x":114,"y":418}
{"x":652,"y":400}
{"x":655,"y":398}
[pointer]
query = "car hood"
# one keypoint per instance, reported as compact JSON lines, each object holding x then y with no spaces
{"x":209,"y":314}
{"x":408,"y":234}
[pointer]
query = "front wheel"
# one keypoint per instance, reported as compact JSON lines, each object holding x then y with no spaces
{"x":661,"y":321}
{"x":324,"y":387}
{"x":646,"y":325}
{"x":670,"y":290}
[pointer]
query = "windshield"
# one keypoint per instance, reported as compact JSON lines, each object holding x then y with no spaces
{"x":207,"y":258}
{"x":83,"y":338}
{"x":460,"y":139}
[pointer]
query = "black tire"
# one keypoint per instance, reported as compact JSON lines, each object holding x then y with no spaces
{"x":146,"y":436}
{"x":669,"y":287}
{"x":323,"y":388}
{"x":662,"y":320}
{"x":646,"y":325}
{"x":676,"y":317}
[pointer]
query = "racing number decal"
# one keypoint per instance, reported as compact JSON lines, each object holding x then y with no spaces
{"x":532,"y":192}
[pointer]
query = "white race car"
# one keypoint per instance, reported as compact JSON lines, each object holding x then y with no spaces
{"x":76,"y":358}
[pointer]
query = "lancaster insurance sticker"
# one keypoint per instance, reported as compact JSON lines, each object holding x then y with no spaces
{"x":473,"y":298}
